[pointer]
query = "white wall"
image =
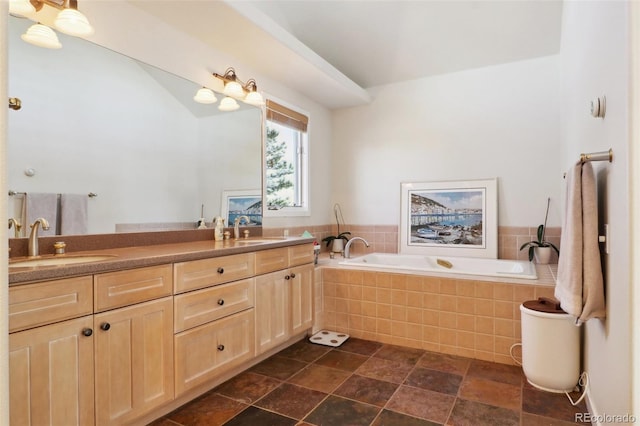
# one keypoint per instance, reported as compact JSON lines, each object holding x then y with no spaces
{"x":499,"y":121}
{"x":595,"y":61}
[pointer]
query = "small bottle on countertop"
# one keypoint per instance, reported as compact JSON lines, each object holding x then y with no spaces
{"x":218,"y":233}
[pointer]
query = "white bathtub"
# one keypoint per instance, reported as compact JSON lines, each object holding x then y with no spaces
{"x":459,"y":265}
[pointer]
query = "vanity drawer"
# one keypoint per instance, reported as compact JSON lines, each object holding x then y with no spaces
{"x":300,"y":254}
{"x":202,"y":306}
{"x":197,"y":274}
{"x":122,"y":288}
{"x":31,"y":305}
{"x":271,"y":260}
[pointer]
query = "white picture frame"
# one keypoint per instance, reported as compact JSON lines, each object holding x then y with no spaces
{"x":449,"y":218}
{"x":242,"y":202}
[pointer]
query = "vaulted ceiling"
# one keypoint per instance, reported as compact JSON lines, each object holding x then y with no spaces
{"x":333,"y":51}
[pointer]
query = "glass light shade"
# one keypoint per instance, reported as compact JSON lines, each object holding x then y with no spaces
{"x":228,"y":104}
{"x":42,"y":36}
{"x":72,"y":22}
{"x":21,"y":7}
{"x":254,"y":98}
{"x":233,"y":89}
{"x":205,"y":96}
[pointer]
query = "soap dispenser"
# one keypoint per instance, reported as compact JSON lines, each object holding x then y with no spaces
{"x":218,"y":233}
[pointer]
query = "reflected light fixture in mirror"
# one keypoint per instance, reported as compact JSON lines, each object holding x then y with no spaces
{"x":235,"y":88}
{"x":228,"y":104}
{"x":21,"y":7}
{"x":205,"y":95}
{"x":41,"y":36}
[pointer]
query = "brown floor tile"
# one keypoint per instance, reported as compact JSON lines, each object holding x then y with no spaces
{"x":342,"y":360}
{"x":339,"y":411}
{"x":291,"y":400}
{"x":254,"y":416}
{"x":248,"y":387}
{"x":364,"y":389}
{"x":471,"y":413}
{"x":492,"y":393}
{"x":533,"y":420}
{"x":359,"y":346}
{"x":210,"y":410}
{"x":502,"y":373}
{"x":320,"y":378}
{"x":437,"y":381}
{"x":391,"y":418}
{"x":400,"y":354}
{"x":548,"y":404}
{"x":304,"y":351}
{"x":278,"y":367}
{"x":422,"y":403}
{"x":383,"y":369}
{"x":443,"y":362}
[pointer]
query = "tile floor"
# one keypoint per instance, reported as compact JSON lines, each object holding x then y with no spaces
{"x":369,"y":383}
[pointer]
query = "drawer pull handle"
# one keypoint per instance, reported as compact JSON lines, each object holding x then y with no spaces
{"x":220,"y":302}
{"x":221,"y":348}
{"x":221,"y":270}
{"x":105,"y":326}
{"x":87,"y":332}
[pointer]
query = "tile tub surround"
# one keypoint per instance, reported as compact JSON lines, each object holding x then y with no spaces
{"x":476,"y":318}
{"x":384,"y":238}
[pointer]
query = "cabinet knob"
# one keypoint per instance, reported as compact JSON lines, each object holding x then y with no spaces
{"x":287,"y":277}
{"x":105,"y":326}
{"x":221,"y":270}
{"x":293,"y":275}
{"x":221,"y":348}
{"x":87,"y":332}
{"x":220,"y":302}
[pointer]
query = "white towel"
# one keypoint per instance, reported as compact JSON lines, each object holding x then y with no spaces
{"x":580,"y":287}
{"x":74,"y":218}
{"x":43,"y":205}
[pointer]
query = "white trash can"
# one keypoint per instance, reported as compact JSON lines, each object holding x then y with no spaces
{"x":550,"y":346}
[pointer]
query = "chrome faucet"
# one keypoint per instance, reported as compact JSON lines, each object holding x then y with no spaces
{"x":16,"y":227}
{"x":33,"y":237}
{"x":347,"y":247}
{"x":236,"y":225}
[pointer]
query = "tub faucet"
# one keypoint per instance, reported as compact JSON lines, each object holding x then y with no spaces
{"x":16,"y":227}
{"x":236,"y":225}
{"x":347,"y":247}
{"x":33,"y":237}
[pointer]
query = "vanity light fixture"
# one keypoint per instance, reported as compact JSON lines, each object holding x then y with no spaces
{"x":205,"y":95}
{"x":228,"y":104}
{"x":236,"y":89}
{"x":72,"y":22}
{"x":21,"y":7}
{"x":41,"y":36}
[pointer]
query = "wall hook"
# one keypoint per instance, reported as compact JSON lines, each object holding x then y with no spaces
{"x":15,"y":103}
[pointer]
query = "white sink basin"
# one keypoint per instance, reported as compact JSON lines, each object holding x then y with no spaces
{"x":58,"y":260}
{"x":249,"y":241}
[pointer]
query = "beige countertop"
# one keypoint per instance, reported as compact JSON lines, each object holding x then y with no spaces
{"x":141,"y":256}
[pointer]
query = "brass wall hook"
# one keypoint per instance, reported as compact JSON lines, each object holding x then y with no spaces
{"x":15,"y":103}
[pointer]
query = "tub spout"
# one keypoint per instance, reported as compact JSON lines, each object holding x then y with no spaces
{"x":347,"y":247}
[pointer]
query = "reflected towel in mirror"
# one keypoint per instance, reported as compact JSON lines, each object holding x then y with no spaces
{"x":39,"y":205}
{"x":74,"y":218}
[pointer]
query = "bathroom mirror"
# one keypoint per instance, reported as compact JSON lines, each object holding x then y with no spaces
{"x":95,"y":121}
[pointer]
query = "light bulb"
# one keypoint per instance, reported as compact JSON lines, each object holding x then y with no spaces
{"x":42,"y":36}
{"x":228,"y":104}
{"x":205,"y":95}
{"x":72,"y":22}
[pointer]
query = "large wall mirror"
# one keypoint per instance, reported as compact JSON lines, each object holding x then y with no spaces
{"x":95,"y":121}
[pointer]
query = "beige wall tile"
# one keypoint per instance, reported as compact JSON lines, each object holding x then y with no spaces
{"x":465,"y":288}
{"x":431,"y":317}
{"x":503,"y":309}
{"x":466,"y":305}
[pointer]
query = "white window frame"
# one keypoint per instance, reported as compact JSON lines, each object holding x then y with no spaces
{"x":304,"y":209}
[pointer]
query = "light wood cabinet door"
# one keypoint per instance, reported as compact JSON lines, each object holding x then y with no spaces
{"x":196,"y":274}
{"x":204,"y":352}
{"x":271,"y":260}
{"x":133,"y":360}
{"x":272,"y":310}
{"x":301,"y":298}
{"x":51,"y":374}
{"x":301,"y":254}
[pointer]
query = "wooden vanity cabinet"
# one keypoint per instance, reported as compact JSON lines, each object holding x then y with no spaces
{"x":133,"y":344}
{"x":284,"y":298}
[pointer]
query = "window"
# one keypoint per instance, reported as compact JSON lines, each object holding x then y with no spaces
{"x":286,"y":157}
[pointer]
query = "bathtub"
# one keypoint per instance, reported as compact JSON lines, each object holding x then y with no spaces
{"x":448,"y":264}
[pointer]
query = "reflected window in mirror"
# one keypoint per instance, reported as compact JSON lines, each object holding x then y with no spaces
{"x":286,"y":161}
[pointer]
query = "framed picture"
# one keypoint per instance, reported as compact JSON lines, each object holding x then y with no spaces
{"x":242,"y":203}
{"x":453,"y":218}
